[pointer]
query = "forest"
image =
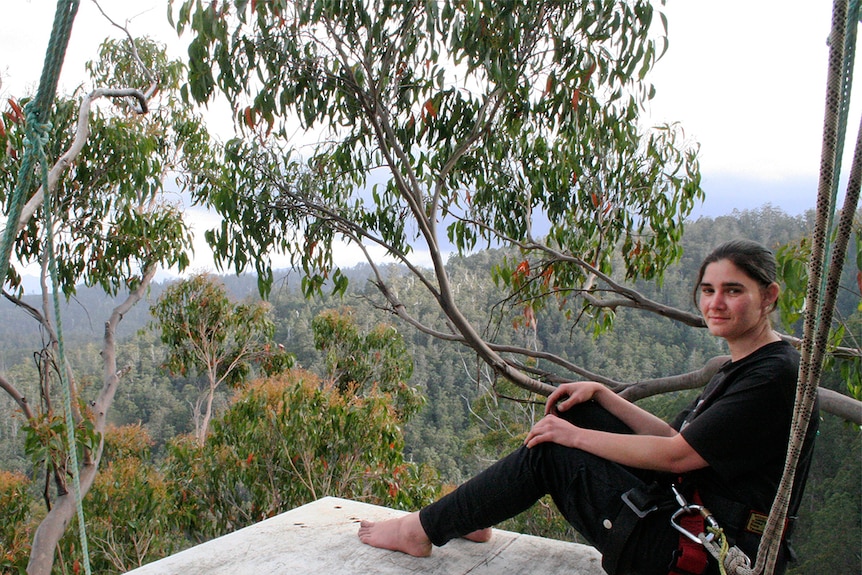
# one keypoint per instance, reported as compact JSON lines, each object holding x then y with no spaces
{"x":519,"y":223}
{"x":462,"y":418}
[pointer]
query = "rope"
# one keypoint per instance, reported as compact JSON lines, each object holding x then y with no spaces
{"x":843,"y":110}
{"x":37,"y":130}
{"x":65,"y":385}
{"x":716,"y":543}
{"x":821,"y":302}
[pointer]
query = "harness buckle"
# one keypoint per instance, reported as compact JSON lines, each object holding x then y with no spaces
{"x":639,"y":505}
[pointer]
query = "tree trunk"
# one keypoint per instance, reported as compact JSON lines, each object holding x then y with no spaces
{"x":207,"y":415}
{"x":53,"y":526}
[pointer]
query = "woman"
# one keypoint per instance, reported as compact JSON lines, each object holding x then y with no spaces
{"x":611,"y":467}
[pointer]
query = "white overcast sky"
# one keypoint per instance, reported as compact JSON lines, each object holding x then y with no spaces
{"x":746,"y":78}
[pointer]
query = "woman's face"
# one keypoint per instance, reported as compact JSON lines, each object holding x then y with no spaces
{"x":732,"y":303}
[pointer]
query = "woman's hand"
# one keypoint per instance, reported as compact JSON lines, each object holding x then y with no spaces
{"x":569,"y":394}
{"x":554,"y":429}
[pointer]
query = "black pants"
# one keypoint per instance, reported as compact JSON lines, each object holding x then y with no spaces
{"x":586,"y":489}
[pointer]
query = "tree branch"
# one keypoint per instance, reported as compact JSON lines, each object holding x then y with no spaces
{"x":82,"y":133}
{"x":17,"y":397}
{"x":840,"y":405}
{"x":691,"y":380}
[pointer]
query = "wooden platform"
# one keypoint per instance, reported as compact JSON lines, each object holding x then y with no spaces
{"x":320,"y":538}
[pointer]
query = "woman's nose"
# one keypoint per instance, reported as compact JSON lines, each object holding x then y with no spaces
{"x":718,"y":300}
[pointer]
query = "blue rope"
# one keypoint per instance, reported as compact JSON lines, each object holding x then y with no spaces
{"x":65,"y":385}
{"x":38,"y":109}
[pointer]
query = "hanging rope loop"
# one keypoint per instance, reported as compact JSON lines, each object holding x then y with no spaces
{"x":37,"y":135}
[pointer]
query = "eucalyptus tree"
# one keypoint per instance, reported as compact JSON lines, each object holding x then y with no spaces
{"x":111,"y":150}
{"x":441,"y":126}
{"x":209,"y":335}
{"x":289,"y":439}
{"x":359,"y":362}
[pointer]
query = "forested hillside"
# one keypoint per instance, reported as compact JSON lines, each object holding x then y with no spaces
{"x":456,"y":432}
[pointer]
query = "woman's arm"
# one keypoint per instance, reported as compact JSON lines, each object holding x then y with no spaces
{"x":670,"y":454}
{"x":639,"y":420}
{"x":655,"y":445}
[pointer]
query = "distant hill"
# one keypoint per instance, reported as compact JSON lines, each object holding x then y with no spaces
{"x":83,"y":316}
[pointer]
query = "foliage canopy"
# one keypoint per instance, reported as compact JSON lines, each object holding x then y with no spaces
{"x":472,"y":123}
{"x":286,"y":441}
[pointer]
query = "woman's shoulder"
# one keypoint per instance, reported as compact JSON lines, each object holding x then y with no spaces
{"x":775,"y":363}
{"x":777,"y":353}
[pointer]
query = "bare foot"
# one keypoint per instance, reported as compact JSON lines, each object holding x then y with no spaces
{"x":480,"y":536}
{"x":404,"y":534}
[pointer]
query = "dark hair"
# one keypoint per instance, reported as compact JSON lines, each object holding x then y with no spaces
{"x":755,"y":259}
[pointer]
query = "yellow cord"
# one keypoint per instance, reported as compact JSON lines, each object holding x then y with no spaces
{"x":718,"y":532}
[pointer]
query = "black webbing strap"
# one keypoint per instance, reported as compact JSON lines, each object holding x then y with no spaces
{"x":639,"y":502}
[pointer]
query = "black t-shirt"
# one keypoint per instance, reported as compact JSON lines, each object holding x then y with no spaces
{"x":740,"y":425}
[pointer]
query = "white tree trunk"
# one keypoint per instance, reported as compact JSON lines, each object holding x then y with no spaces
{"x":54,"y":525}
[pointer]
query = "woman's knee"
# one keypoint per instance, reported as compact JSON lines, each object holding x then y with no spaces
{"x":591,"y":415}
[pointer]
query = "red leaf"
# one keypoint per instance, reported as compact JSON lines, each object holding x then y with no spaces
{"x":19,"y":113}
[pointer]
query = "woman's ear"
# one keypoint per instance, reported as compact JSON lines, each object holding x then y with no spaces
{"x":770,"y":295}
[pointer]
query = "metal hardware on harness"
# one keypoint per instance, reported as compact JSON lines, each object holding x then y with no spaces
{"x":685,"y":509}
{"x":638,"y":511}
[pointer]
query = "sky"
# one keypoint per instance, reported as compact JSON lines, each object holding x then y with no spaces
{"x":746,"y":79}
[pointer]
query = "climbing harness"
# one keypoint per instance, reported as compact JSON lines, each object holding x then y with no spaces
{"x":701,"y":533}
{"x":37,"y":129}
